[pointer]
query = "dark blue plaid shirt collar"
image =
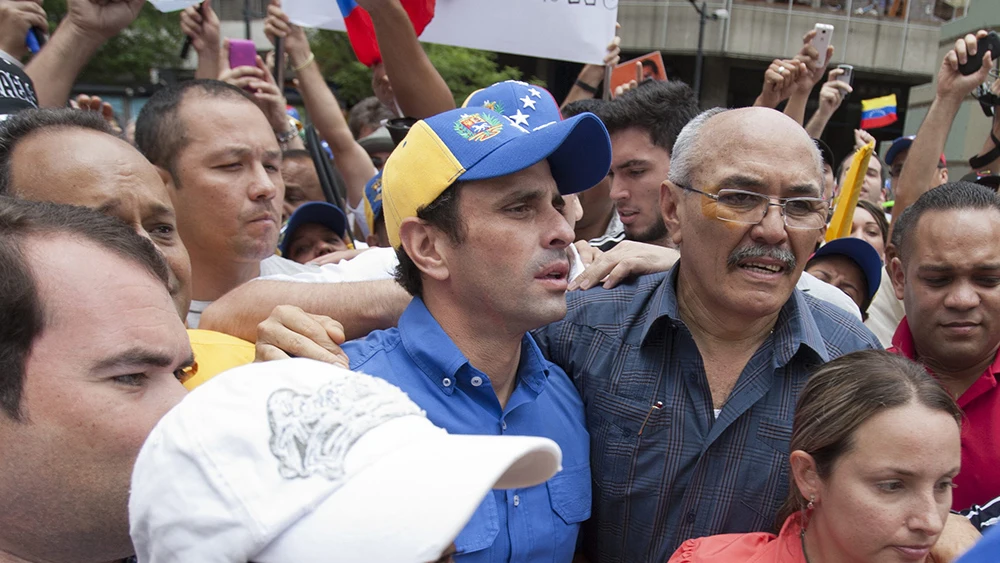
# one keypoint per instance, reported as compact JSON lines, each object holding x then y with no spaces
{"x":794,"y":328}
{"x":433,"y":351}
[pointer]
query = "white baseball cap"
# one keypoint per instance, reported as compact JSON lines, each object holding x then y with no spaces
{"x":297,"y":461}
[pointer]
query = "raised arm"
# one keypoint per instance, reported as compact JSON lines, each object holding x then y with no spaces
{"x":831,"y":95}
{"x":591,"y":76}
{"x":952,"y":87}
{"x":420,"y":91}
{"x":87,"y":25}
{"x":321,"y":105}
{"x":806,"y":81}
{"x":270,"y":99}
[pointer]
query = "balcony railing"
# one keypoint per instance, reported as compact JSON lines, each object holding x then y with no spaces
{"x":893,"y":35}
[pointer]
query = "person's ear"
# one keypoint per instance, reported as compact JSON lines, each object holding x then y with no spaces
{"x":896,"y":271}
{"x":944,"y":175}
{"x":804,"y":472}
{"x":670,"y":207}
{"x":426,"y":246}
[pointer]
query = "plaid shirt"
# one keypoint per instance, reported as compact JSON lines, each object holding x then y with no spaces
{"x":687,"y":475}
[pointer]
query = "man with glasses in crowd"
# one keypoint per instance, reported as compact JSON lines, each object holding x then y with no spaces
{"x":690,"y":378}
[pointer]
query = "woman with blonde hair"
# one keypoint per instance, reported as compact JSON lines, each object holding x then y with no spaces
{"x":875,"y":446}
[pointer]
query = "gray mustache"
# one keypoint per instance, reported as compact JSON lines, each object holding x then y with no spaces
{"x":760,"y":251}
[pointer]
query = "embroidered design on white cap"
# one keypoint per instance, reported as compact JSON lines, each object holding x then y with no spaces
{"x":312,"y":433}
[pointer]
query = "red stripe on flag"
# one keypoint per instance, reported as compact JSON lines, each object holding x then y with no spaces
{"x":421,"y":13}
{"x":361,"y":31}
{"x":880,"y":121}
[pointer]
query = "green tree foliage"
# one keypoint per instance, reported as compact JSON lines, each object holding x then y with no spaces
{"x":152,"y":41}
{"x":464,"y":70}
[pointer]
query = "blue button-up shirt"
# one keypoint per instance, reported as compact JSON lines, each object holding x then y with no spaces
{"x":686,"y":474}
{"x":537,"y":524}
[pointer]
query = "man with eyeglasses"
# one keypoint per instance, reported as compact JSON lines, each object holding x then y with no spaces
{"x":690,"y":378}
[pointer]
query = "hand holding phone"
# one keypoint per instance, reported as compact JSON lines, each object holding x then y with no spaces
{"x":847,"y":76}
{"x":242,"y":52}
{"x":989,"y":43}
{"x":821,"y":41}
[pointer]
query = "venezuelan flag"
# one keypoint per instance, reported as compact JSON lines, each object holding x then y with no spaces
{"x":878,"y":112}
{"x":361,"y":32}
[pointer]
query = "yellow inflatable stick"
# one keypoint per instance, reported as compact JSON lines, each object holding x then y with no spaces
{"x":847,"y":200}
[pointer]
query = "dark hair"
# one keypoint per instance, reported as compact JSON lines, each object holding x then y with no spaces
{"x":443,"y":214}
{"x":23,"y":123}
{"x":21,"y":307}
{"x":368,"y":112}
{"x":661,"y":109}
{"x":845,"y":393}
{"x":953,"y":195}
{"x":159,"y":130}
{"x":581,"y":106}
{"x":879,"y":214}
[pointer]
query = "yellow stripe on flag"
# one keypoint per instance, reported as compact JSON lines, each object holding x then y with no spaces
{"x":847,"y":200}
{"x":881,"y":102}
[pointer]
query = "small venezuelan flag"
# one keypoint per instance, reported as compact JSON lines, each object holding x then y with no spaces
{"x":361,"y":32}
{"x":878,"y":112}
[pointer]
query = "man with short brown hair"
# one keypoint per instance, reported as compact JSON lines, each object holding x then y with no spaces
{"x":91,"y":353}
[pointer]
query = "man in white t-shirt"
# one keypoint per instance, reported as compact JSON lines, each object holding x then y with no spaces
{"x":221,"y":160}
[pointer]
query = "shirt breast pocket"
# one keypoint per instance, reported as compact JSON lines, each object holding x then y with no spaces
{"x":482,"y":529}
{"x":765,"y":481}
{"x":570,"y":494}
{"x":618,"y":449}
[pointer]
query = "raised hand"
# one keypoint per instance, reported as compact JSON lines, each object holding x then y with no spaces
{"x":16,"y":18}
{"x":952,"y":84}
{"x":96,"y":104}
{"x":780,"y":81}
{"x":202,"y":26}
{"x":277,"y":24}
{"x":103,"y":18}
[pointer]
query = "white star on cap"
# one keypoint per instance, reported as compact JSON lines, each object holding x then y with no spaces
{"x":518,"y":118}
{"x":528,"y":102}
{"x":535,"y":93}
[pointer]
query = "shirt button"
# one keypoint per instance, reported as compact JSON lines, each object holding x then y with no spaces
{"x":446,"y":382}
{"x":517,"y":500}
{"x":503,"y":424}
{"x":690,"y":517}
{"x":477,"y":381}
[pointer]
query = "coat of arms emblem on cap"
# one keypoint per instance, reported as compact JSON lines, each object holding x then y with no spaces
{"x":478,"y":127}
{"x":311,"y":433}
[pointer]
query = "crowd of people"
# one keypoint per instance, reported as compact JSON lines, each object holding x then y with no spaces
{"x":517,"y":330}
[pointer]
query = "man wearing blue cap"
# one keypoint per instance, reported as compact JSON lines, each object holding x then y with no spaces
{"x":473,"y":205}
{"x":895,"y":157}
{"x":851,"y":265}
{"x":315,"y":229}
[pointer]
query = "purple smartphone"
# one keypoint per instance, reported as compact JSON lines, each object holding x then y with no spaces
{"x":242,"y":52}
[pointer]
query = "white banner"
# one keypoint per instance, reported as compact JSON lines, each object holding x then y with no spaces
{"x":173,"y":5}
{"x":569,"y":30}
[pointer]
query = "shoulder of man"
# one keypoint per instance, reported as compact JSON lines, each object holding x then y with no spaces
{"x":373,"y":354}
{"x":598,"y":306}
{"x":842,"y":332}
{"x":613,"y":311}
